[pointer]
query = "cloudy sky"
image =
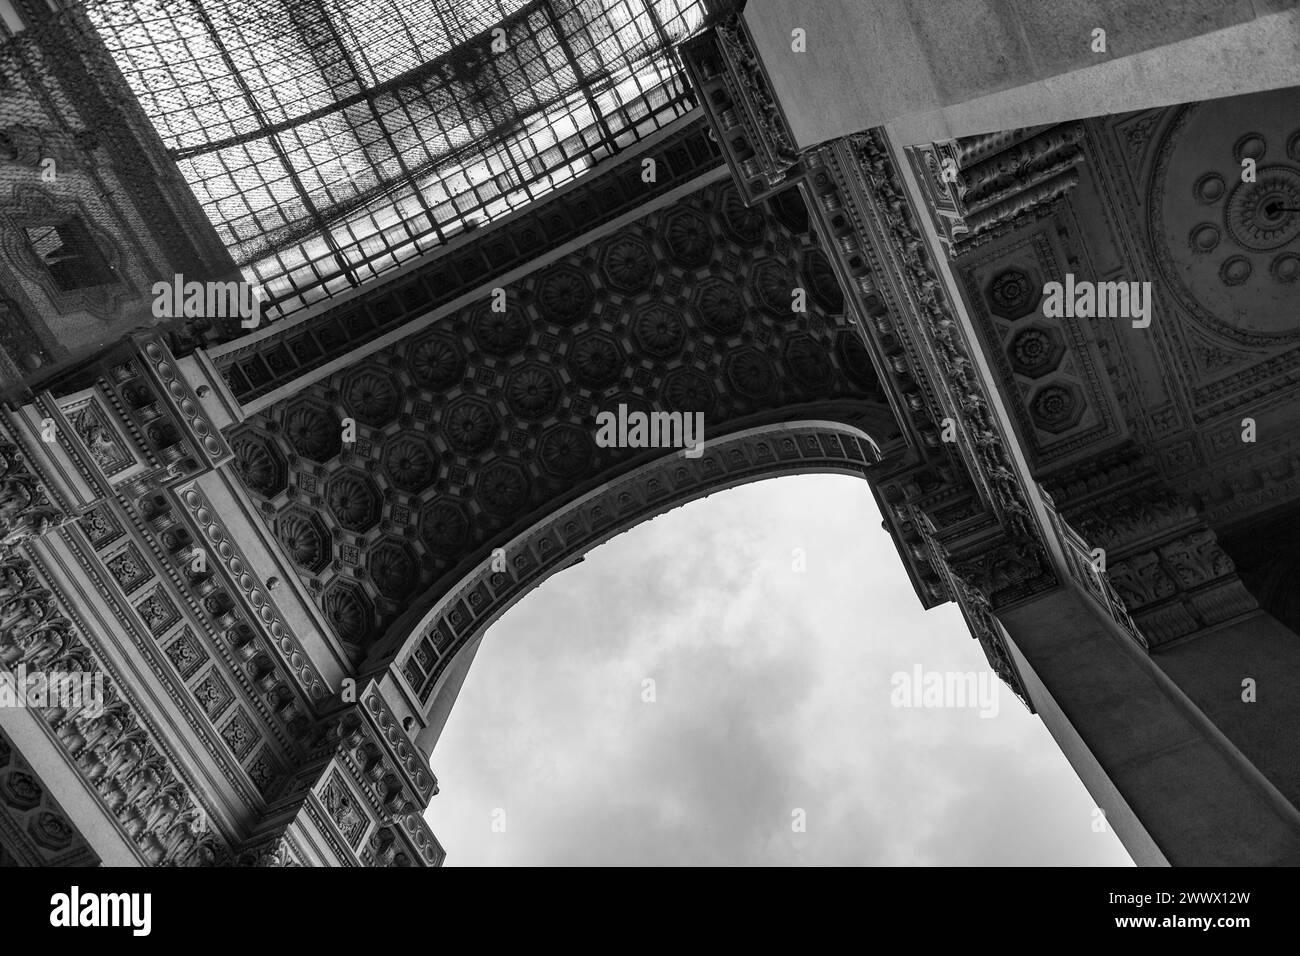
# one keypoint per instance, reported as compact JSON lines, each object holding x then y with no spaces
{"x":772,"y":694}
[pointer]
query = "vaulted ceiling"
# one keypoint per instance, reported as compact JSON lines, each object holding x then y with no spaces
{"x":473,"y":428}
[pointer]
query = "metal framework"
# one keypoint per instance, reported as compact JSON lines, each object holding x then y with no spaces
{"x":331,"y":140}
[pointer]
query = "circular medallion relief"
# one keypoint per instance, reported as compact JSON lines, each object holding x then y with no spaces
{"x":1265,"y":214}
{"x":1217,"y":237}
{"x":1286,"y":267}
{"x":1204,"y":238}
{"x":1209,"y":188}
{"x":1013,"y":293}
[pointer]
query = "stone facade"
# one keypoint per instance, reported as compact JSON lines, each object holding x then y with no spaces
{"x":277,"y":551}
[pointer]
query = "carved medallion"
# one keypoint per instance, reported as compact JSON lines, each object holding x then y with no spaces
{"x":532,"y":391}
{"x":409,"y":463}
{"x":354,"y":501}
{"x":436,"y":361}
{"x":564,"y":296}
{"x":444,"y":528}
{"x":372,"y":397}
{"x":500,"y":333}
{"x":596,"y":360}
{"x":469,"y":425}
{"x":659,"y":332}
{"x":503,"y":487}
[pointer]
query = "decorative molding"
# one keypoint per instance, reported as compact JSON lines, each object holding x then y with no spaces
{"x":120,"y":759}
{"x":982,"y":187}
{"x":255,"y":595}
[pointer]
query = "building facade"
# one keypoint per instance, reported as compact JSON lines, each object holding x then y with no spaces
{"x":1062,"y":348}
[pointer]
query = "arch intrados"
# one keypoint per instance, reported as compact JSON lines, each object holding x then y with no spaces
{"x":455,"y":622}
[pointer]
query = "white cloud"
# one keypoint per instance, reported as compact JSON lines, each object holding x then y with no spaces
{"x":773,"y":693}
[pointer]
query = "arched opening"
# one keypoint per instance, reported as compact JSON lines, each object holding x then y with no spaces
{"x":678,"y":695}
{"x":440,"y":639}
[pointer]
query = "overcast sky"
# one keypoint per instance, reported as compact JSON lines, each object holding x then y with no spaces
{"x":772,"y":694}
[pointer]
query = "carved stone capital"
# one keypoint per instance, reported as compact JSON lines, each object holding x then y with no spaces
{"x":1165,"y":564}
{"x":984,"y":625}
{"x":1009,"y":571}
{"x":1181,"y":587}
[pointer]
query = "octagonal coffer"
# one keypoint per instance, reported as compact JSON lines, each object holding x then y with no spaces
{"x":436,"y":360}
{"x":627,"y":264}
{"x":393,"y":568}
{"x":305,"y":539}
{"x":349,"y":611}
{"x":469,"y":425}
{"x":444,"y":527}
{"x":260,"y":463}
{"x":659,"y":331}
{"x":499,"y":334}
{"x":1014,"y":293}
{"x":410,"y":463}
{"x":596,"y":360}
{"x":720,"y":306}
{"x":502,"y":488}
{"x":1036,"y":350}
{"x":372,"y":395}
{"x":751,"y":374}
{"x":565,"y":450}
{"x":807,"y":361}
{"x":686,"y":237}
{"x":1056,"y":408}
{"x":773,"y":285}
{"x":564,"y":296}
{"x":354,"y":500}
{"x":533,"y":391}
{"x":313,"y":429}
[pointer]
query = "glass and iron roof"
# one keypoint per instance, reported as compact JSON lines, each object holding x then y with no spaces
{"x":331,"y":140}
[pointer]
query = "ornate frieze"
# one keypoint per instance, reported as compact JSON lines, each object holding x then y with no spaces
{"x":858,"y":194}
{"x":738,"y":97}
{"x":104,"y":739}
{"x":986,"y":629}
{"x":1181,"y":587}
{"x":256,"y":597}
{"x":25,"y":509}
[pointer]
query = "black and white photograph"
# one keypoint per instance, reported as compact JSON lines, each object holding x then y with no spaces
{"x":650,"y":434}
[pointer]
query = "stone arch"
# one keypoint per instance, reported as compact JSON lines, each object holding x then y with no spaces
{"x":429,"y":651}
{"x":457,"y":450}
